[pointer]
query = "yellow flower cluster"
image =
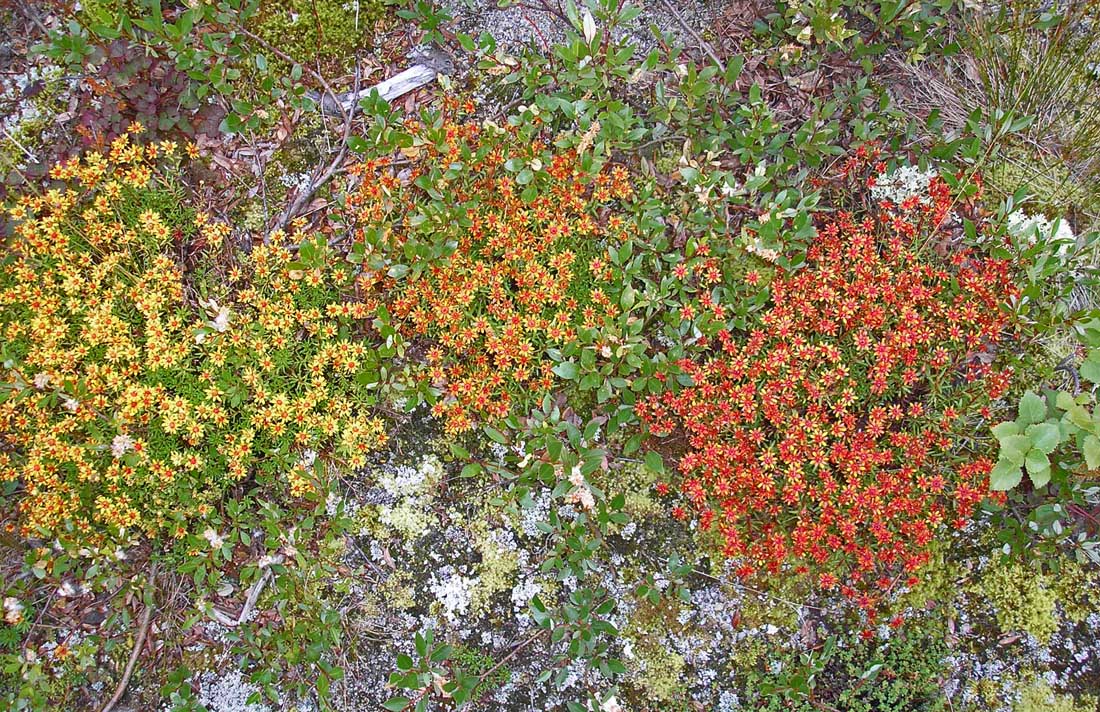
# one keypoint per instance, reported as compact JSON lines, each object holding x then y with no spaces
{"x":127,"y":400}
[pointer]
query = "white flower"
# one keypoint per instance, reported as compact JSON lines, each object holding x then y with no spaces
{"x":903,"y":183}
{"x":581,"y":494}
{"x":218,"y":314}
{"x":221,"y":321}
{"x":41,"y":380}
{"x":13,"y":610}
{"x":68,"y":589}
{"x":71,"y":404}
{"x":611,"y":705}
{"x":121,"y":445}
{"x":214,"y":538}
{"x":1036,"y":228}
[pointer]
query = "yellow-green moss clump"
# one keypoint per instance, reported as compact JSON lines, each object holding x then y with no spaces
{"x":410,"y":516}
{"x":329,"y":31}
{"x":1047,"y":179}
{"x":496,"y":572}
{"x":635,"y":483}
{"x":1039,"y":697}
{"x":1022,"y":599}
{"x":937,"y":584}
{"x":660,"y":669}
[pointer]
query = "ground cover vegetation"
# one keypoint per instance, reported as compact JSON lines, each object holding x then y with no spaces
{"x":717,"y":356}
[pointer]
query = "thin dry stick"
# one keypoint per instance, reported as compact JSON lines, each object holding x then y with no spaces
{"x":315,"y":184}
{"x":254,"y":594}
{"x":695,"y":35}
{"x":515,"y":651}
{"x":139,"y":643}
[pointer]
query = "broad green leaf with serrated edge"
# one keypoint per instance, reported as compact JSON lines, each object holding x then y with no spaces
{"x":1044,"y":437}
{"x":1032,"y":408}
{"x":1037,"y":462}
{"x":1014,"y":448}
{"x":1091,"y":450}
{"x":1080,"y":417}
{"x":1039,"y":478}
{"x":1063,"y":400}
{"x":1090,"y":369}
{"x":1004,"y":430}
{"x":1005,"y":476}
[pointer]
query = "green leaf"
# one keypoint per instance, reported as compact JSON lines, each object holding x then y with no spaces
{"x":396,"y":704}
{"x":1037,"y":463}
{"x":495,"y":435}
{"x":1044,"y":437}
{"x":1091,"y":450}
{"x":1014,"y":448}
{"x":1032,"y":408}
{"x":1090,"y":369}
{"x":1040,"y":478}
{"x":404,"y":662}
{"x":1005,"y":429}
{"x":1005,"y":476}
{"x":567,"y":370}
{"x":654,"y":462}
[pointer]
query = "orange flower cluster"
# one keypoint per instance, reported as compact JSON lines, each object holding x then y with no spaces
{"x":821,"y":442}
{"x":507,"y":275}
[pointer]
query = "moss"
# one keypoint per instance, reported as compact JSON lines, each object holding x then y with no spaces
{"x":1039,"y":697}
{"x":635,"y":482}
{"x":1023,"y":599}
{"x":748,"y":653}
{"x":1047,"y":179}
{"x":329,"y":31}
{"x":496,"y":572}
{"x":1077,"y":590}
{"x":660,"y":669}
{"x":912,"y":666}
{"x":475,"y":662}
{"x":937,"y":586}
{"x":758,"y":611}
{"x":663,"y":678}
{"x":33,"y":131}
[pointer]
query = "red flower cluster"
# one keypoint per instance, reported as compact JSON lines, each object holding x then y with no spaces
{"x":820,"y":443}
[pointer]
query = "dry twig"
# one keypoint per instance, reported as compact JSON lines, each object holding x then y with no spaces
{"x":695,"y":35}
{"x":139,"y":643}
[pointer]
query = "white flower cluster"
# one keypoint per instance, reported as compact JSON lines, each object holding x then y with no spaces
{"x":454,"y":593}
{"x":213,"y":538}
{"x":13,"y":610}
{"x":581,"y":494}
{"x":218,"y":321}
{"x":121,"y":445}
{"x":1034,"y":228}
{"x":901,"y":184}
